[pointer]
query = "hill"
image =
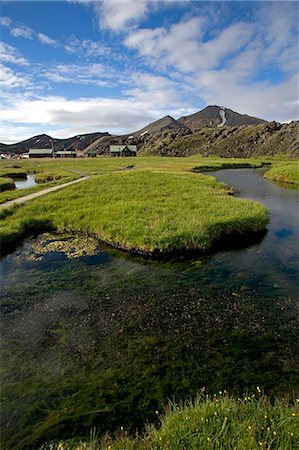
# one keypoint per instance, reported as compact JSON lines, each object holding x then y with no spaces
{"x":166,"y":123}
{"x":79,"y":142}
{"x":216,"y":116}
{"x":268,"y":139}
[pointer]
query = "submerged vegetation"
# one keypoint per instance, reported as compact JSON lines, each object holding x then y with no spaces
{"x":219,"y":422}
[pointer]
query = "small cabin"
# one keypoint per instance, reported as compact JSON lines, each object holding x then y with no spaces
{"x":123,"y":150}
{"x":65,"y":154}
{"x":41,"y":153}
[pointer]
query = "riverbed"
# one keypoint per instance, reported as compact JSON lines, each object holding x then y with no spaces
{"x":96,"y":337}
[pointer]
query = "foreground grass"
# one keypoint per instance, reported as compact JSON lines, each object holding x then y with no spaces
{"x":287,"y":173}
{"x":220,"y":422}
{"x":148,"y":212}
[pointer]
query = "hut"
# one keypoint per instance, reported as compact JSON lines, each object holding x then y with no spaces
{"x":123,"y":150}
{"x":65,"y":154}
{"x":41,"y":153}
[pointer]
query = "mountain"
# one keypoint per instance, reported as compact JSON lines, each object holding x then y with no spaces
{"x":166,"y":123}
{"x":216,"y":116}
{"x":215,"y":130}
{"x":79,"y":142}
{"x":265,"y":139}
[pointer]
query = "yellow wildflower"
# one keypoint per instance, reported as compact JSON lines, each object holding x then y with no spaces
{"x":249,"y":427}
{"x":274,"y":433}
{"x":293,"y":414}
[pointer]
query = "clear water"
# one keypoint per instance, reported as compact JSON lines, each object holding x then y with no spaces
{"x":105,"y":340}
{"x":22,"y":183}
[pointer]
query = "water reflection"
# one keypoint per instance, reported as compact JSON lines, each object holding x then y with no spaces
{"x":22,"y":183}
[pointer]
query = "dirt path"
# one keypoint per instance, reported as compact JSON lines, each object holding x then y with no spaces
{"x":26,"y":198}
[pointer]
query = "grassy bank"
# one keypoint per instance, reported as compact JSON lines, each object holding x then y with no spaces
{"x":148,"y":212}
{"x":6,"y":184}
{"x":220,"y":422}
{"x":44,"y":179}
{"x":287,"y":173}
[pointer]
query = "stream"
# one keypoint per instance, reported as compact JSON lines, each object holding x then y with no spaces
{"x":22,"y":183}
{"x":98,"y":338}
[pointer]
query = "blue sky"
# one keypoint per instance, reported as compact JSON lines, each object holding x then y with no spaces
{"x":73,"y":67}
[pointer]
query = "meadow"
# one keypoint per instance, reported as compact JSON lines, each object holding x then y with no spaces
{"x":154,"y":206}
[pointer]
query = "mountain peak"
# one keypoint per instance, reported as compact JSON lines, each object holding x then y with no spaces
{"x":216,"y":116}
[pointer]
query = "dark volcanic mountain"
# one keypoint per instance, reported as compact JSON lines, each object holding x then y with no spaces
{"x":166,"y":123}
{"x":213,"y":116}
{"x":79,"y":142}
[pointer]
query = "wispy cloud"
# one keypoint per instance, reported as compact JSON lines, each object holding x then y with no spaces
{"x":92,"y":74}
{"x":117,"y":15}
{"x":5,"y":21}
{"x":44,"y":39}
{"x":22,"y":31}
{"x":11,"y":79}
{"x":11,"y":55}
{"x":85,"y":48}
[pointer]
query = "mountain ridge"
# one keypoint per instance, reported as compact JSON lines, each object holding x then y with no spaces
{"x":199,"y":119}
{"x":215,"y":130}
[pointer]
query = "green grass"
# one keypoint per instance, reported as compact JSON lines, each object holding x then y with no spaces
{"x":287,"y":173}
{"x":148,"y":212}
{"x":220,"y":422}
{"x":8,"y":171}
{"x":45,"y":179}
{"x":6,"y":184}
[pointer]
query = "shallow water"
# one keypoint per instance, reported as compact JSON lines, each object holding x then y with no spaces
{"x":105,"y":339}
{"x":22,"y":183}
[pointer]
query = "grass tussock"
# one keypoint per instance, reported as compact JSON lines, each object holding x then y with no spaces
{"x":6,"y":184}
{"x":148,"y":212}
{"x":220,"y":422}
{"x":287,"y":173}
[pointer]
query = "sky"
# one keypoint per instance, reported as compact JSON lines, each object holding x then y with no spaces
{"x":75,"y":67}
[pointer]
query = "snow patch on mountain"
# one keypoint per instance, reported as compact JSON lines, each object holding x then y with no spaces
{"x":222,"y":116}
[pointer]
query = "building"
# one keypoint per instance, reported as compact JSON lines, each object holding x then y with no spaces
{"x":123,"y":150}
{"x":65,"y":154}
{"x":41,"y":153}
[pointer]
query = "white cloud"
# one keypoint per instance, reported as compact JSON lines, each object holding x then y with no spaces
{"x":85,"y":48}
{"x":180,"y":45}
{"x":119,"y":115}
{"x":5,"y":21}
{"x":118,"y":14}
{"x":10,"y":79}
{"x":95,"y":74}
{"x":44,"y":39}
{"x":10,"y":54}
{"x":156,"y":90}
{"x":13,"y":133}
{"x":22,"y":31}
{"x":270,"y":102}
